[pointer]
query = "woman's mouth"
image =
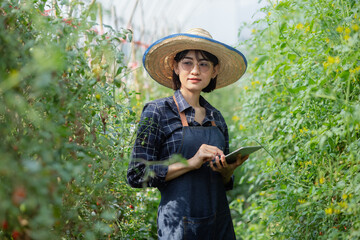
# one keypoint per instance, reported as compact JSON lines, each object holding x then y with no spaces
{"x":194,"y":79}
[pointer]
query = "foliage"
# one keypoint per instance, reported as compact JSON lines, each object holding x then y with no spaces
{"x":66,"y":125}
{"x":302,"y":104}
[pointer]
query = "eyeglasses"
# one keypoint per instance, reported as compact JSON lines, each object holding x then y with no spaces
{"x":188,"y":65}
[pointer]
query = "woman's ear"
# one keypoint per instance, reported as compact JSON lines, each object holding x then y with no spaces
{"x":176,"y":68}
{"x":215,"y":71}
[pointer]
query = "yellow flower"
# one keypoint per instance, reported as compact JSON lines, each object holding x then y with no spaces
{"x":253,"y":31}
{"x":305,"y":129}
{"x":329,"y":211}
{"x":327,"y":40}
{"x":344,"y":196}
{"x":262,"y":118}
{"x":262,"y":193}
{"x":331,"y":59}
{"x":269,"y":13}
{"x":322,"y":180}
{"x":235,"y":118}
{"x":346,"y":37}
{"x":256,"y":59}
{"x":241,"y":127}
{"x":299,"y":26}
{"x":257,"y":82}
{"x":337,"y":211}
{"x":301,"y":131}
{"x":339,"y":29}
{"x":307,"y":29}
{"x":343,"y":204}
{"x":98,"y":96}
{"x":246,"y":88}
{"x":301,"y":201}
{"x":355,"y":27}
{"x":347,"y":30}
{"x":253,"y":83}
{"x":337,"y":60}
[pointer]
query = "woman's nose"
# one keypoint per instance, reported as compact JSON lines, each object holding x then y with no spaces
{"x":196,"y":69}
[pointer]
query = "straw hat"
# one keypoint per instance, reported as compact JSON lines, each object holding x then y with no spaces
{"x":158,"y":59}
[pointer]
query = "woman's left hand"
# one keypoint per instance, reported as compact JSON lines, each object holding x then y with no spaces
{"x":225,"y":169}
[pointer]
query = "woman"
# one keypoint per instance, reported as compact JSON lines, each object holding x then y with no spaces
{"x":193,"y":199}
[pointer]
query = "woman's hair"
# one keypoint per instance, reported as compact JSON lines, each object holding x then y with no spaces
{"x":207,"y":56}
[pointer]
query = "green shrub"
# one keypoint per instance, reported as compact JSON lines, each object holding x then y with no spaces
{"x":301,"y":101}
{"x":66,"y":125}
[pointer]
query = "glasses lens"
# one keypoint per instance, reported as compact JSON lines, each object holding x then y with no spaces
{"x":204,"y":66}
{"x":188,"y":65}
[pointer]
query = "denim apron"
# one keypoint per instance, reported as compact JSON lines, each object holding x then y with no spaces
{"x":194,"y":205}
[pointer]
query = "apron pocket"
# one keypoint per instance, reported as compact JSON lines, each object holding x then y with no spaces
{"x":199,"y":228}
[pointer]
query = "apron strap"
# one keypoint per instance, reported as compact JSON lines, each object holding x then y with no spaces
{"x":182,"y":114}
{"x":183,"y":117}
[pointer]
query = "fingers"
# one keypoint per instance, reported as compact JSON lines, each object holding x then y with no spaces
{"x":241,"y":159}
{"x":210,"y":152}
{"x":219,"y":163}
{"x":223,"y":161}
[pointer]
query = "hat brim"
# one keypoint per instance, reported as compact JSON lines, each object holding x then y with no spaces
{"x":158,"y":59}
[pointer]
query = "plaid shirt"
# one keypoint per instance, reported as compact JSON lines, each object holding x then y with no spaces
{"x":159,"y":137}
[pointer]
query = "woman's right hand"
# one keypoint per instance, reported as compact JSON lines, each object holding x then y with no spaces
{"x":205,"y":153}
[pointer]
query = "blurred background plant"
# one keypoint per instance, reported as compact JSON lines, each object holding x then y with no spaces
{"x":66,"y":125}
{"x":301,"y":101}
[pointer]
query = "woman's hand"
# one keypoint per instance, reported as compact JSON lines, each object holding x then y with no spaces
{"x":226,"y":170}
{"x":206,"y":153}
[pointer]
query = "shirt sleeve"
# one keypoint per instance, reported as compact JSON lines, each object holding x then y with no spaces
{"x":230,"y":184}
{"x":226,"y":134}
{"x":141,"y":171}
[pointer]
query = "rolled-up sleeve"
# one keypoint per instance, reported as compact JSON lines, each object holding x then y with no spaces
{"x":230,"y":184}
{"x":142,"y":171}
{"x":224,"y":129}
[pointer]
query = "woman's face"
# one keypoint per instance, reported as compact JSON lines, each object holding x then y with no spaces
{"x":195,"y":72}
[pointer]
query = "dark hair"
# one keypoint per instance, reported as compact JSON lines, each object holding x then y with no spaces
{"x":206,"y":55}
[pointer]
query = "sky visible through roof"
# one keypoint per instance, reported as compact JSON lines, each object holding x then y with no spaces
{"x":151,"y":20}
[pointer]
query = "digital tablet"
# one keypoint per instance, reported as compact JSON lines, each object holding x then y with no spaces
{"x":231,"y":157}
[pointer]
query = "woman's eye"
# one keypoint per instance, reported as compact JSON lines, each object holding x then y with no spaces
{"x":204,"y":64}
{"x":187,"y":63}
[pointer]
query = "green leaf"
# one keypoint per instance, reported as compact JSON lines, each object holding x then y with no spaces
{"x":261,"y":61}
{"x":291,"y":56}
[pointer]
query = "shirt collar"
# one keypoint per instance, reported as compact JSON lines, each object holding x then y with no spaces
{"x":183,"y":104}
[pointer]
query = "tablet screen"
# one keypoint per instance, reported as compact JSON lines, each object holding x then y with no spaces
{"x":231,"y":157}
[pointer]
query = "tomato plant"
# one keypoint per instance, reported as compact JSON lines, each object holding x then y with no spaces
{"x":300,"y":100}
{"x":66,"y":125}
